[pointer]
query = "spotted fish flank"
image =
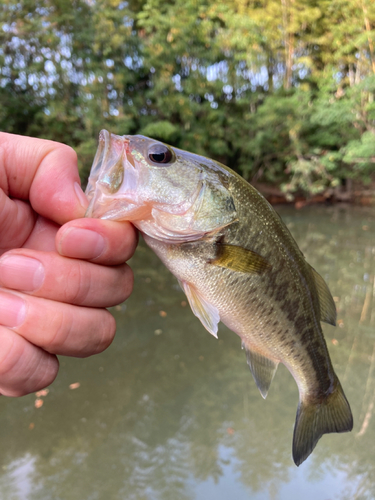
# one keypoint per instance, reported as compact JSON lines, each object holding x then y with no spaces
{"x":237,"y":263}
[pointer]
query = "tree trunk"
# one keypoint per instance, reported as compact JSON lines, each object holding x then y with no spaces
{"x":368,"y":29}
{"x":288,"y":43}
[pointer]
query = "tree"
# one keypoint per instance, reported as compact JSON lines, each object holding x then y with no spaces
{"x":280,"y":90}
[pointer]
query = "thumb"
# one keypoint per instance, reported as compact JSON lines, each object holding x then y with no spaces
{"x":44,"y":172}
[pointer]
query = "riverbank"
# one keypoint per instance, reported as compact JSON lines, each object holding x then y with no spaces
{"x":350,"y":192}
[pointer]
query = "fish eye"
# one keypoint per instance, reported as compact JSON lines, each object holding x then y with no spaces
{"x":159,"y":153}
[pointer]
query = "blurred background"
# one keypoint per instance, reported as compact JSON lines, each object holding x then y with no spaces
{"x":280,"y":90}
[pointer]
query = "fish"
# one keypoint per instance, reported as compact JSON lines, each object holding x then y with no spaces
{"x":237,"y":263}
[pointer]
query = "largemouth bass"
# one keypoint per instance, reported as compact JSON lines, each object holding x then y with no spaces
{"x":236,"y":262}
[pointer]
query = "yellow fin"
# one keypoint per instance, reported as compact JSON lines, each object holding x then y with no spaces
{"x":327,"y":305}
{"x":314,"y":419}
{"x":239,"y":259}
{"x":206,"y":312}
{"x":263,"y":369}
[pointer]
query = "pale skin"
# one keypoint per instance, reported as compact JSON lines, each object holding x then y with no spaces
{"x":58,"y":270}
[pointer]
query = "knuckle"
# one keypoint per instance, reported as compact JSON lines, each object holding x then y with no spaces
{"x":80,"y":331}
{"x":42,"y":375}
{"x":58,"y":333}
{"x":78,"y":283}
{"x":128,"y":282}
{"x":24,"y":367}
{"x":102,"y":328}
{"x":58,"y":149}
{"x":124,"y":283}
{"x":106,"y":331}
{"x":11,"y":351}
{"x":46,"y":372}
{"x":66,"y":151}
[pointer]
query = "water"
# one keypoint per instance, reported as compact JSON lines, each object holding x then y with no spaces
{"x":170,"y":413}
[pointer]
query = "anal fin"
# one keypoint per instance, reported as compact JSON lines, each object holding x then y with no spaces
{"x":327,"y":305}
{"x":263,"y":369}
{"x":206,"y":312}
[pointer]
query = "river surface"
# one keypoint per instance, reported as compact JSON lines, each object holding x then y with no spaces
{"x":170,"y":413}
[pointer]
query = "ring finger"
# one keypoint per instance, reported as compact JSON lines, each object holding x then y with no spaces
{"x":56,"y":327}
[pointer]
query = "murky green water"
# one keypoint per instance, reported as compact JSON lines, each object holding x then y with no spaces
{"x":170,"y":413}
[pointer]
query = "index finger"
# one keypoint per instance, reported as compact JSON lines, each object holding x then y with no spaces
{"x":44,"y":172}
{"x":100,"y":241}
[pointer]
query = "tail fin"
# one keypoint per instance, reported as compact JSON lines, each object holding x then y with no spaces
{"x":315,"y":418}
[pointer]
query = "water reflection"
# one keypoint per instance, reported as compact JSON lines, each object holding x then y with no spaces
{"x":168,"y":412}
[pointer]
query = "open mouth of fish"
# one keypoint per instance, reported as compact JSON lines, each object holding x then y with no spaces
{"x":113,"y":181}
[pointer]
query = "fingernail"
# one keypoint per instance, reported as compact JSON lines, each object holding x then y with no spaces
{"x":12,"y":310}
{"x":21,"y":273}
{"x":81,"y":244}
{"x":80,"y":195}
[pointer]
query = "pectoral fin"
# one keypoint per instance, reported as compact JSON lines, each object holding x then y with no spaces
{"x":327,"y":305}
{"x":239,"y":259}
{"x":262,"y":368}
{"x":206,"y":312}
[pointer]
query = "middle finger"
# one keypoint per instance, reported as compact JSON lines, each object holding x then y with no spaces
{"x":49,"y":275}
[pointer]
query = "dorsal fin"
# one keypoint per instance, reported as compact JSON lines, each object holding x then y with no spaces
{"x":327,"y":305}
{"x":206,"y":312}
{"x":263,"y":369}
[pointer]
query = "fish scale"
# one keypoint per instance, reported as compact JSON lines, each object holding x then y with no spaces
{"x":236,"y":261}
{"x":303,"y":328}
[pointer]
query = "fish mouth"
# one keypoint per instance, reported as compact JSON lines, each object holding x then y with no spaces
{"x":112,"y":184}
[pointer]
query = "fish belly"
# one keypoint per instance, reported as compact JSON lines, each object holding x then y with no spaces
{"x":246,"y":306}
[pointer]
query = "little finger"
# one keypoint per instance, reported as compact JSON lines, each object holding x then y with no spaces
{"x":24,"y":367}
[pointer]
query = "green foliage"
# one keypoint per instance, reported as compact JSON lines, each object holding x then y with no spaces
{"x":280,"y":91}
{"x":162,"y":130}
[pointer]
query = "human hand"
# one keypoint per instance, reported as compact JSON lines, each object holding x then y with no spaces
{"x":58,"y":271}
